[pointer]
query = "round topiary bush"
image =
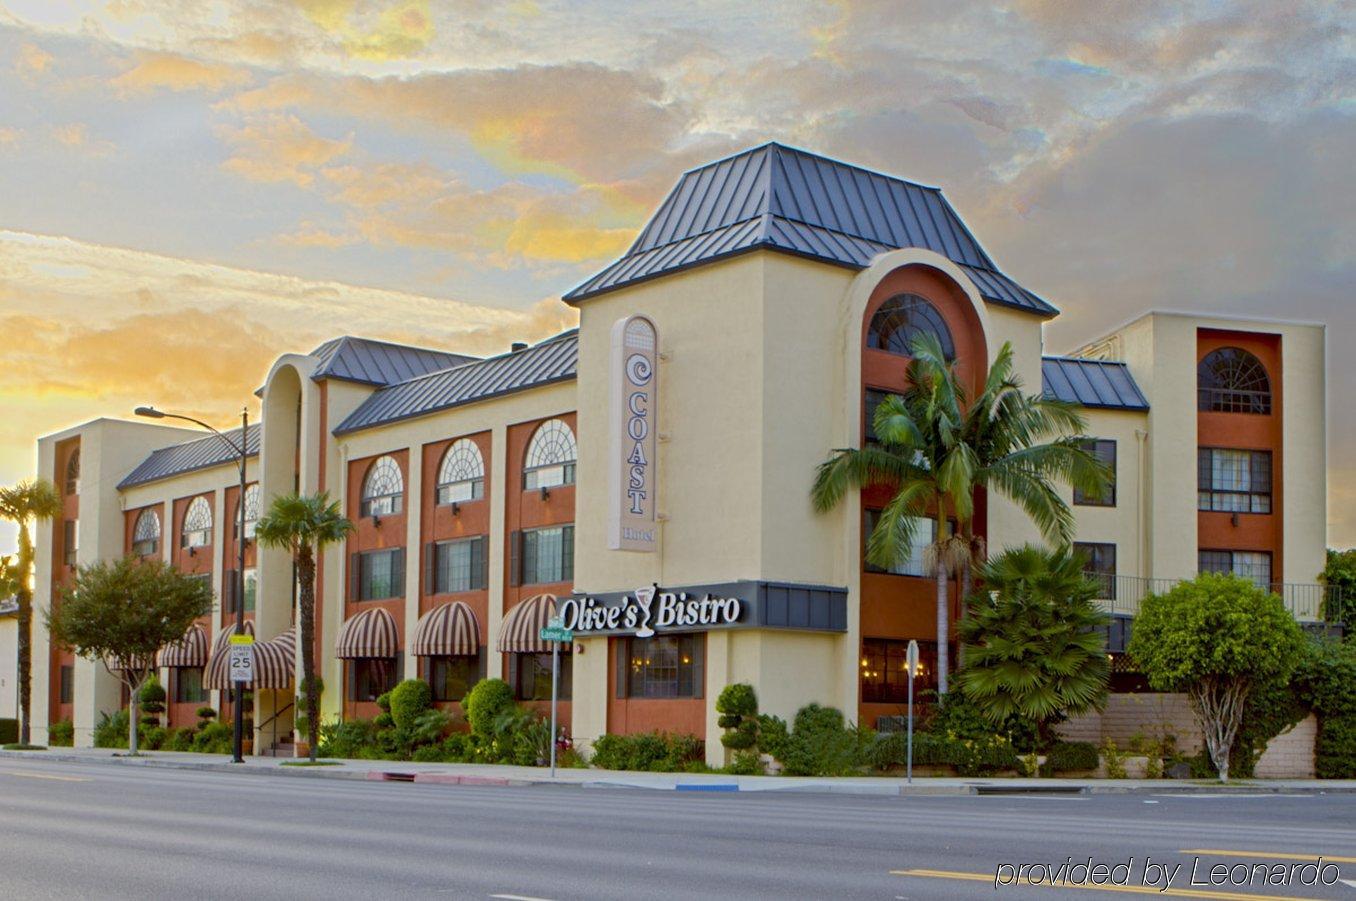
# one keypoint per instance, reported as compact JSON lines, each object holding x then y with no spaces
{"x":483,"y":704}
{"x":738,"y":699}
{"x":408,"y":700}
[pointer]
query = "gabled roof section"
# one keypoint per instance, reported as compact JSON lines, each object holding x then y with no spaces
{"x":780,"y":198}
{"x":1102,"y":384}
{"x":379,"y":362}
{"x":200,"y":453}
{"x":553,"y":360}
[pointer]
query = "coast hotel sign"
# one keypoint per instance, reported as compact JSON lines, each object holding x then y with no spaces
{"x":648,"y":610}
{"x":631,"y":454}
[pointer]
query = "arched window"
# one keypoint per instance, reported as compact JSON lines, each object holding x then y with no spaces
{"x":73,"y":473}
{"x":383,"y":489}
{"x":1231,"y":380}
{"x":197,"y":530}
{"x":251,"y":512}
{"x":146,"y":534}
{"x":903,"y":318}
{"x":461,"y":476}
{"x":551,"y":455}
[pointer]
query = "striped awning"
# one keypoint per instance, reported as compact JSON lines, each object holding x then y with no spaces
{"x":521,"y":631}
{"x":372,"y":633}
{"x":450,"y":630}
{"x":189,"y":651}
{"x":120,"y":665}
{"x":275,"y":660}
{"x":217,"y":674}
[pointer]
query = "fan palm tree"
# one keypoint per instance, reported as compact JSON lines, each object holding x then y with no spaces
{"x":32,"y":500}
{"x":934,"y":448}
{"x":1034,"y":640}
{"x":304,"y":524}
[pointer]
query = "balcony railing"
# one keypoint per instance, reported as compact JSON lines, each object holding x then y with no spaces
{"x":1122,"y":595}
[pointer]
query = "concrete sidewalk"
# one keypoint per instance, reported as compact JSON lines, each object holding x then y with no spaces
{"x":489,"y":774}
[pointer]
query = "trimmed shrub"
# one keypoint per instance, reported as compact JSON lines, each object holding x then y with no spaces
{"x":746,"y":763}
{"x":214,"y":738}
{"x":737,"y":705}
{"x":384,"y":721}
{"x":1335,"y":749}
{"x":384,"y":702}
{"x":820,"y":744}
{"x":61,"y":734}
{"x":487,"y":700}
{"x":111,"y":730}
{"x":652,"y":751}
{"x":1070,"y":757}
{"x":179,"y":740}
{"x":408,"y":700}
{"x":151,"y":738}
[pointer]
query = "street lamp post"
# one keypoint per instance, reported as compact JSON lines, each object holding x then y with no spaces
{"x":237,"y":693}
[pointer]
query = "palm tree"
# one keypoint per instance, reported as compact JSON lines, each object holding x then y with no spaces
{"x":1035,"y":640}
{"x":935,"y":448}
{"x":28,"y":501}
{"x":303,"y":524}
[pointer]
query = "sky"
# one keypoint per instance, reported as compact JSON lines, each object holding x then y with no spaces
{"x":188,"y":189}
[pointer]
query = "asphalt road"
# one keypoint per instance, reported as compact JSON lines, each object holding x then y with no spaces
{"x":101,"y":831}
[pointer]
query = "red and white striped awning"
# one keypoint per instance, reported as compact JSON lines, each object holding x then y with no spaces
{"x":521,"y":631}
{"x":217,"y":674}
{"x":450,"y":630}
{"x":372,"y":633}
{"x":275,"y":660}
{"x":189,"y":651}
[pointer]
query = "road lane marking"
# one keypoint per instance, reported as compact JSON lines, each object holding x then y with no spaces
{"x":519,"y":898}
{"x":47,"y":776}
{"x":1278,"y":855}
{"x":1131,"y":889}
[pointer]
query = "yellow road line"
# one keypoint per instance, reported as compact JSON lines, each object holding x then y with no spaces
{"x":46,"y":776}
{"x":1278,"y":855}
{"x":1131,"y":889}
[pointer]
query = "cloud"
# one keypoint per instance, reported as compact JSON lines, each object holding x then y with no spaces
{"x":400,"y":30}
{"x":280,"y":148}
{"x":9,"y":137}
{"x":31,"y":61}
{"x":172,"y":72}
{"x":76,"y":136}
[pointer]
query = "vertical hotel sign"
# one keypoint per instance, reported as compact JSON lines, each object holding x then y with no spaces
{"x":632,"y":468}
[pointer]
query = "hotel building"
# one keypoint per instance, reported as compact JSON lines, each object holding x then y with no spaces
{"x":646,"y":475}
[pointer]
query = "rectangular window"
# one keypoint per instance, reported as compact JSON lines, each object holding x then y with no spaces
{"x":1105,"y":451}
{"x":532,"y":677}
{"x":1234,"y":481}
{"x":380,"y":574}
{"x":1253,"y":565}
{"x":548,"y":555}
{"x":66,"y":685}
{"x":885,"y":670}
{"x":251,"y":588}
{"x":461,"y":492}
{"x":869,"y":404}
{"x":188,"y":686}
{"x":71,"y":540}
{"x":370,"y":677}
{"x":666,"y":666}
{"x":382,"y":505}
{"x":1100,"y":566}
{"x":452,"y":677}
{"x":459,"y":566}
{"x":925,"y":533}
{"x":549,"y":476}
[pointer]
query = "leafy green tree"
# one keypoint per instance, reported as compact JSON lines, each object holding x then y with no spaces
{"x":1034,"y":640}
{"x":1219,"y":638}
{"x":1339,"y":575}
{"x":29,"y":501}
{"x":303,"y":525}
{"x":934,"y":448}
{"x":122,"y":614}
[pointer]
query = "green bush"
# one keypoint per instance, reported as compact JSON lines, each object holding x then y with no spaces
{"x":384,"y":702}
{"x":653,"y":752}
{"x":384,"y":720}
{"x":738,"y":709}
{"x":1070,"y":757}
{"x":820,"y":744}
{"x":957,"y":716}
{"x":151,"y":738}
{"x":487,"y":700}
{"x":746,"y":763}
{"x":409,"y":699}
{"x":152,"y":692}
{"x":61,"y":734}
{"x":214,"y":738}
{"x":9,"y":731}
{"x":179,"y":740}
{"x":772,"y":735}
{"x":111,"y":730}
{"x":1335,"y":749}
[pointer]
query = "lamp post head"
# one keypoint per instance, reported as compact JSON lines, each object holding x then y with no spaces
{"x":149,"y":412}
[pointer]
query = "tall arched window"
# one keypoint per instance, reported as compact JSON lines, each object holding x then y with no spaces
{"x":73,"y":473}
{"x":903,"y":318}
{"x":461,"y":476}
{"x":146,"y":534}
{"x":1231,"y":380}
{"x":383,"y":489}
{"x":551,"y":456}
{"x":197,"y":530}
{"x":251,"y":512}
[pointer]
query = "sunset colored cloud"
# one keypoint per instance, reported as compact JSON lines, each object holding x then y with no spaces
{"x":169,"y":71}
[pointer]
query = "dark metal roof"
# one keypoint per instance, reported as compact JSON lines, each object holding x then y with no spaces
{"x":200,"y":453}
{"x":1091,"y":383}
{"x":784,"y":199}
{"x":553,"y":360}
{"x":379,"y":362}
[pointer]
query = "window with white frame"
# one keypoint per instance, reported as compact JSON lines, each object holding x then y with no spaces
{"x":197,"y":531}
{"x":146,"y":534}
{"x":251,"y":512}
{"x":1234,"y":481}
{"x":461,"y":475}
{"x":924,"y":534}
{"x":551,"y":456}
{"x":383,"y":488}
{"x":1252,"y":565}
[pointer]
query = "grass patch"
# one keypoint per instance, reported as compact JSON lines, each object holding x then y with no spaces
{"x":19,"y":747}
{"x":310,"y":763}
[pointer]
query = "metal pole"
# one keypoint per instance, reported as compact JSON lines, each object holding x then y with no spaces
{"x":238,"y":688}
{"x":910,"y":737}
{"x":555,"y":692}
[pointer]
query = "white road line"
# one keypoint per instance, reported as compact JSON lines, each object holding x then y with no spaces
{"x":519,"y":897}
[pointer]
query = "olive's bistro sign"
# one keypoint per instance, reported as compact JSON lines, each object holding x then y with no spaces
{"x":648,"y":611}
{"x":631,"y":453}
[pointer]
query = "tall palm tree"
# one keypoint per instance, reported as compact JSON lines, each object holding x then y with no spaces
{"x":303,"y":524}
{"x":933,"y":454}
{"x":32,"y":500}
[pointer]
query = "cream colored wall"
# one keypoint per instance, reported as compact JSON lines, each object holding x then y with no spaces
{"x":9,"y":667}
{"x":1123,"y":524}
